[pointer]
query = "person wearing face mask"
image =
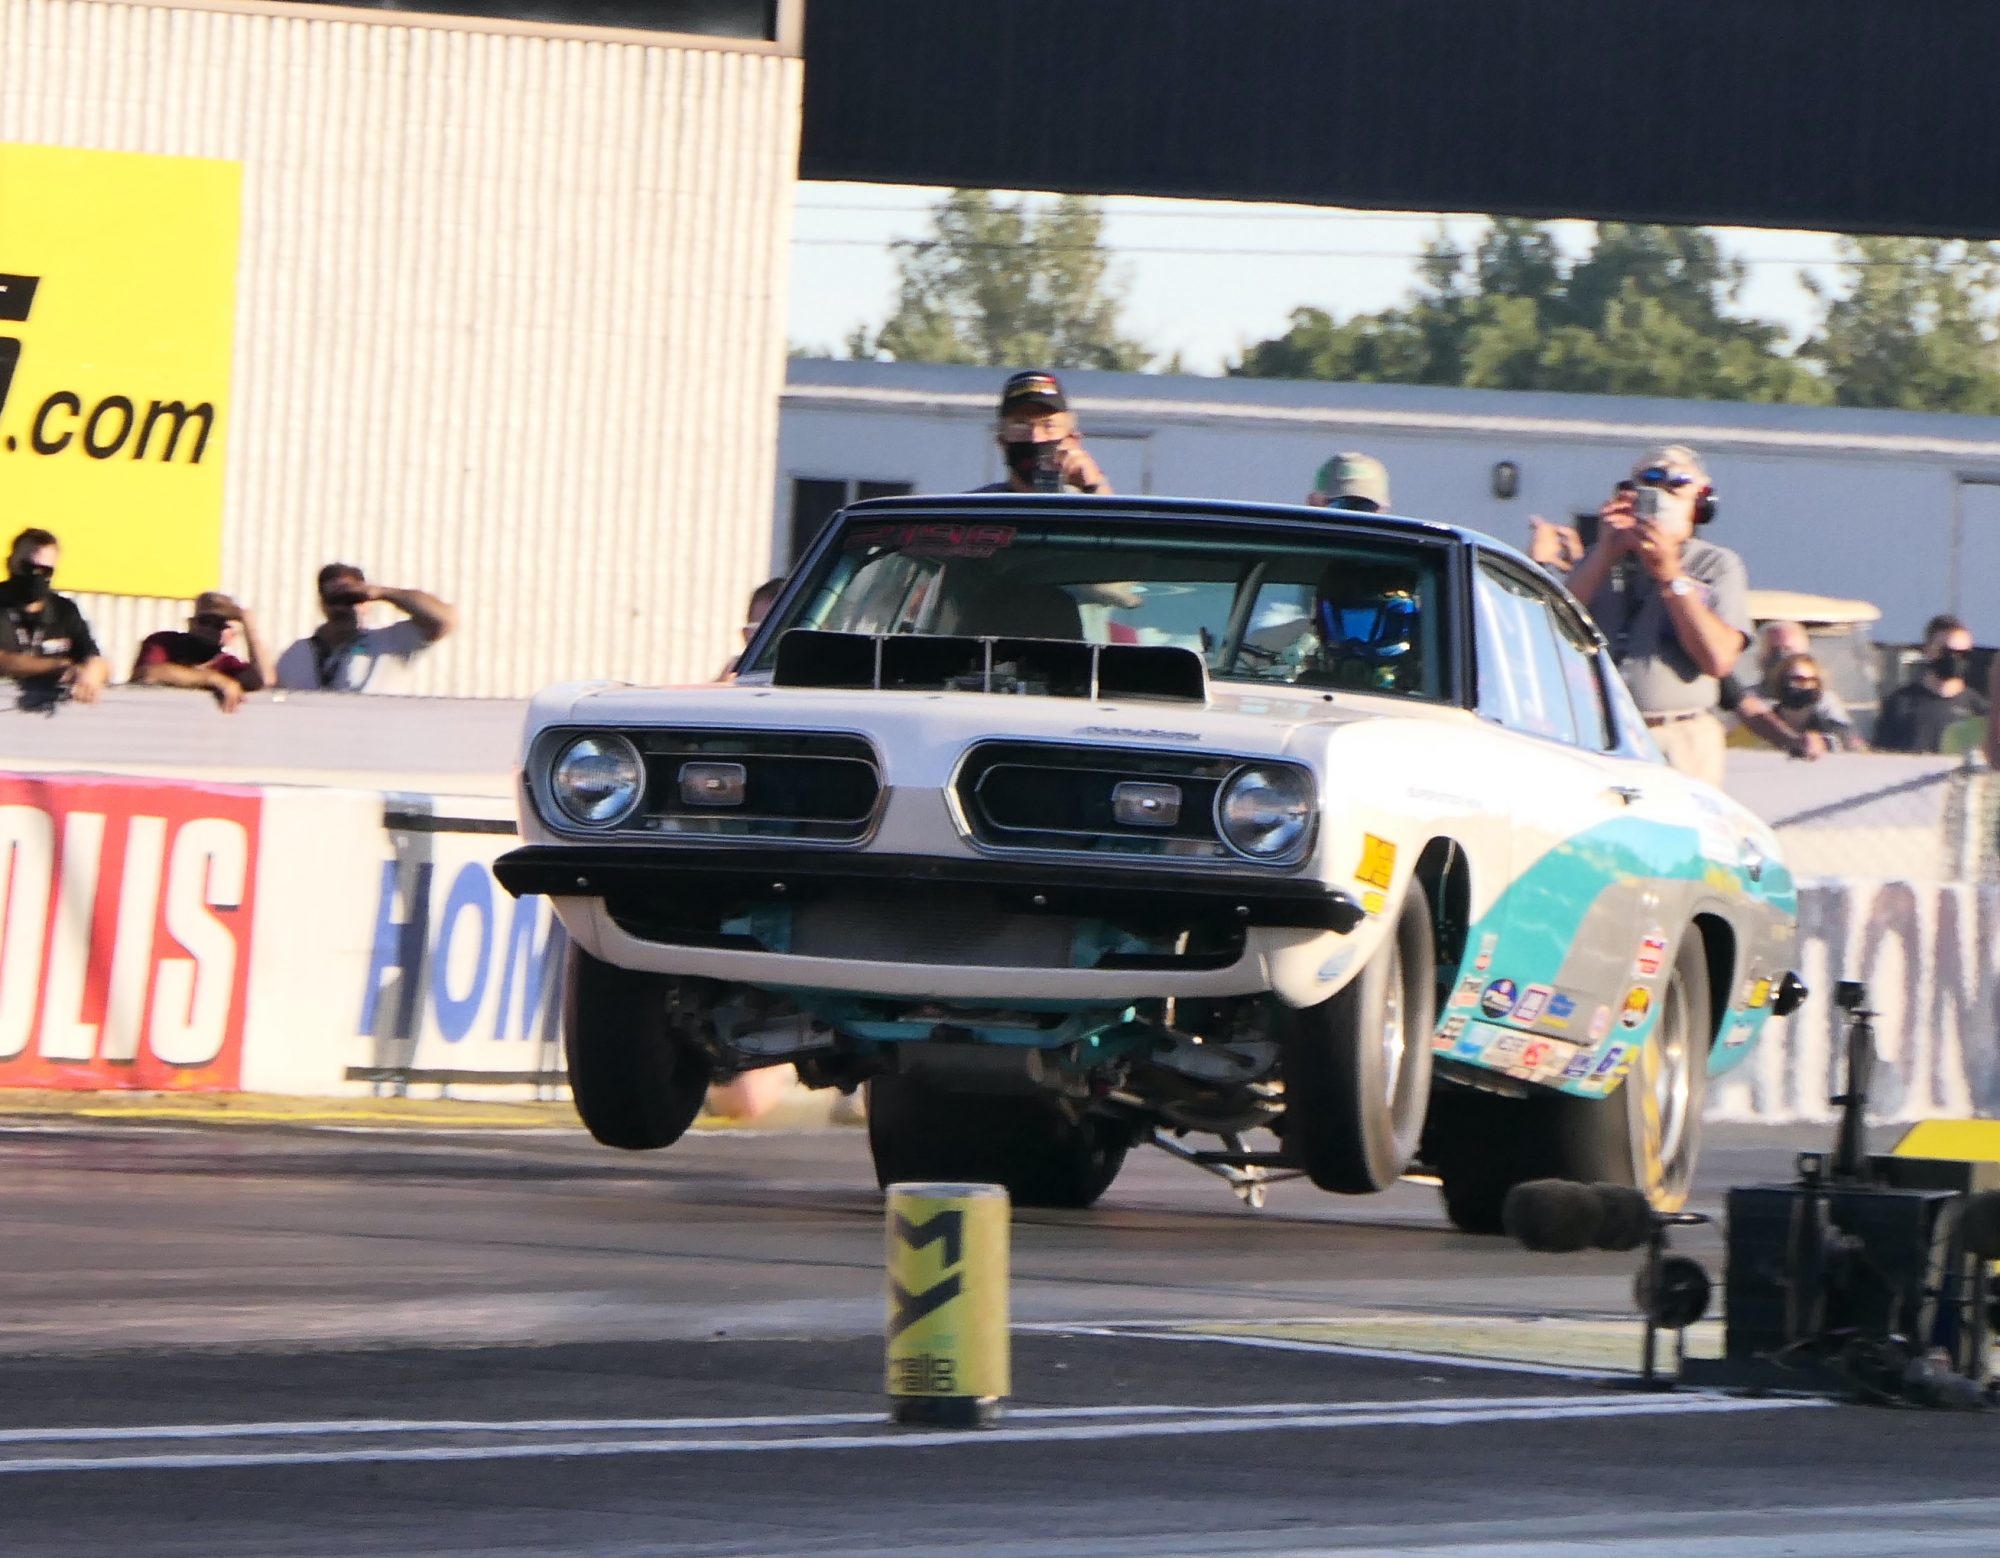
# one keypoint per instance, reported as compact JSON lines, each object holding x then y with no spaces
{"x":344,"y":654}
{"x":45,"y":645}
{"x":1675,"y":608}
{"x":1810,"y":720}
{"x":1040,"y":441}
{"x":1916,"y":716}
{"x":206,"y":657}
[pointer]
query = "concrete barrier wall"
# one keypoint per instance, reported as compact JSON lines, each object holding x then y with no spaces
{"x":161,"y":934}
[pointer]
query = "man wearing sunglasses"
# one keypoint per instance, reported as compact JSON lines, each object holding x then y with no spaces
{"x":345,"y":654}
{"x":45,"y":644}
{"x":1675,"y":608}
{"x":206,"y":656}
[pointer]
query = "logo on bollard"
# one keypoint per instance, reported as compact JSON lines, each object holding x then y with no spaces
{"x":907,"y":1307}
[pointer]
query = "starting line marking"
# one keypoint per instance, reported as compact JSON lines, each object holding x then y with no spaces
{"x":1413,"y":1414}
{"x":1450,"y":1360}
{"x":338,"y":1427}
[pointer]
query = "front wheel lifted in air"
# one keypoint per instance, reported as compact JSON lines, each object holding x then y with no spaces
{"x":1357,"y":1066}
{"x":637,"y":1079}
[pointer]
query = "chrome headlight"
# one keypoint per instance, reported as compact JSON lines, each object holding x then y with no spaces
{"x":597,"y":780}
{"x":1266,"y":812}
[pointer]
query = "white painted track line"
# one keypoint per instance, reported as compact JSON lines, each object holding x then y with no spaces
{"x":1427,"y":1414}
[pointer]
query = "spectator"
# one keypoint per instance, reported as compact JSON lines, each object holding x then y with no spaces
{"x":762,"y":599}
{"x":1557,"y":547}
{"x":1674,"y":608}
{"x":1351,"y":481}
{"x":1807,"y":713}
{"x":45,"y":645}
{"x":1916,"y":715}
{"x":1757,"y":708}
{"x":1040,"y":440}
{"x":204,"y":657}
{"x":344,"y":654}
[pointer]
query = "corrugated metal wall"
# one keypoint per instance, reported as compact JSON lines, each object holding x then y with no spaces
{"x":510,"y":317}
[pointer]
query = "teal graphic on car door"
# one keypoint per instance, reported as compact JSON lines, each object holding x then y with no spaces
{"x":1548,"y":974}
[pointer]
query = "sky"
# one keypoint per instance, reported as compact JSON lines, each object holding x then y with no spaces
{"x":1207,"y":278}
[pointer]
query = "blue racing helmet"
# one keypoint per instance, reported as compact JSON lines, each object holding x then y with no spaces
{"x":1366,"y":619}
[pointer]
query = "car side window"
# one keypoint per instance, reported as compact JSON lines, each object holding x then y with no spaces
{"x":1578,"y":654}
{"x":1522,"y":681}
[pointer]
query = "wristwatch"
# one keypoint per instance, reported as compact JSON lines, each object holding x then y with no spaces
{"x":1681,"y":585}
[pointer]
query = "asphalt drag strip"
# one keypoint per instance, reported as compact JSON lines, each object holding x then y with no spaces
{"x":1114,"y":1443}
{"x":267,"y":1342}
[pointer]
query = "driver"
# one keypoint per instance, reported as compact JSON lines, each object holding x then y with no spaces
{"x":1361,"y":633}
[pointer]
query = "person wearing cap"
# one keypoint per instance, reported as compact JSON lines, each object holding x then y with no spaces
{"x":205,"y":657}
{"x":344,"y":654}
{"x":1675,"y":608}
{"x":1351,"y":481}
{"x":1040,"y":441}
{"x":45,"y":645}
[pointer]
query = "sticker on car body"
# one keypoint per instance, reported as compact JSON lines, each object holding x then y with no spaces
{"x":1497,"y":999}
{"x":1377,"y":867}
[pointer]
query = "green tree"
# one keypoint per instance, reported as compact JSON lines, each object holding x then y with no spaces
{"x":1914,"y":326}
{"x":1003,"y":285}
{"x":1649,"y":311}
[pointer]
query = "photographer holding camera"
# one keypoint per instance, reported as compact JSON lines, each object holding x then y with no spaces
{"x":344,"y":654}
{"x":45,"y":644}
{"x":1675,"y":608}
{"x":1040,"y":440}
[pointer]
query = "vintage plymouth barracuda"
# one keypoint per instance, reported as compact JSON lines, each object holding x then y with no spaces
{"x":1063,"y":824}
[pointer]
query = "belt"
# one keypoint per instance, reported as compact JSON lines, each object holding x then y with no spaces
{"x":1674,"y":718}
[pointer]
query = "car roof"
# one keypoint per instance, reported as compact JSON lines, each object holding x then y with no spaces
{"x":1204,"y":510}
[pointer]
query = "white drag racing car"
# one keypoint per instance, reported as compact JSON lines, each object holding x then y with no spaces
{"x":1063,"y":824}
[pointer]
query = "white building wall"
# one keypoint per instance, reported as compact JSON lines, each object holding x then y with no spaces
{"x":510,"y":312}
{"x":1858,"y":504}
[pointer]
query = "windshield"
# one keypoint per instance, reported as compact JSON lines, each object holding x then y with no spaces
{"x":1341,"y":611}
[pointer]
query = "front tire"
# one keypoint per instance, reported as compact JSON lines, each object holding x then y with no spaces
{"x":1358,"y":1065}
{"x":1030,"y":1145}
{"x":638,"y":1083}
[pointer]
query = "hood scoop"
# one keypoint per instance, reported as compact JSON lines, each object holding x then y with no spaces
{"x":1032,"y":667}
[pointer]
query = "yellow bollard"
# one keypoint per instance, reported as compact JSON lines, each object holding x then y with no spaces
{"x":946,"y":1354}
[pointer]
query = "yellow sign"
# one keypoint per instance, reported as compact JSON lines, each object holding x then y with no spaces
{"x":947,"y":1323}
{"x":117,"y":323}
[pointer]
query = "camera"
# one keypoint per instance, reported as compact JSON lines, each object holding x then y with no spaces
{"x":1646,"y":503}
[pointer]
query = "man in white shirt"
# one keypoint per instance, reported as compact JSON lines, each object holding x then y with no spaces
{"x":344,"y":654}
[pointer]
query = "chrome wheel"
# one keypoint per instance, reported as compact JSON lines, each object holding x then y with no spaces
{"x":1672,"y":1079}
{"x":1392,"y":1024}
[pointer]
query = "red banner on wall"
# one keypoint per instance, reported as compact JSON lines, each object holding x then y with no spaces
{"x":125,"y":915}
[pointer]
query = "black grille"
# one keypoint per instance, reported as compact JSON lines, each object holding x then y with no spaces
{"x":796,"y":785}
{"x":1024,"y":795}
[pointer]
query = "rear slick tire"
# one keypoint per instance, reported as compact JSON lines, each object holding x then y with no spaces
{"x":1030,"y":1145}
{"x":1647,"y":1135}
{"x":1358,"y":1065}
{"x":638,"y":1083}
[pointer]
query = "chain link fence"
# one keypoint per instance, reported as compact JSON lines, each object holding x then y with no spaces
{"x":1877,"y":816}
